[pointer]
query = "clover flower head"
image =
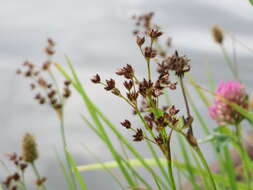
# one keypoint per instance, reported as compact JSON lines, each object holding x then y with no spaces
{"x":234,"y":92}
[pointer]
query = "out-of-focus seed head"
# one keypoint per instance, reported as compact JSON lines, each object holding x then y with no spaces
{"x":149,"y":52}
{"x":217,"y":33}
{"x":29,"y":148}
{"x":154,"y":33}
{"x":140,"y":41}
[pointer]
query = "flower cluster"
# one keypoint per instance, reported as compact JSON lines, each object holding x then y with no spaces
{"x":144,"y":26}
{"x":143,"y":95}
{"x":43,"y":81}
{"x":234,"y":92}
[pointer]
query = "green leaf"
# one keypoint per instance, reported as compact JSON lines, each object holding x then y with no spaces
{"x":251,"y":1}
{"x":76,"y":172}
{"x":64,"y":171}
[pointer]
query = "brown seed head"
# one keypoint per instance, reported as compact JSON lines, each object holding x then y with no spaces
{"x":217,"y":34}
{"x":29,"y":148}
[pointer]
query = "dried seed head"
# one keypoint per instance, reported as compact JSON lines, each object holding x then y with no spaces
{"x":29,"y":148}
{"x":95,"y":79}
{"x":217,"y":34}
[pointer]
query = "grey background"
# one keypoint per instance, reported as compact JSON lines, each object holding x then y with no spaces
{"x":97,"y":36}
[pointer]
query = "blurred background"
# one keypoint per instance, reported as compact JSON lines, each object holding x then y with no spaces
{"x":97,"y":36}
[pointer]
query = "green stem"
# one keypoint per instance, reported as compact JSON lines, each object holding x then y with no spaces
{"x":23,"y":180}
{"x":245,"y":160}
{"x":170,"y":169}
{"x":205,"y":164}
{"x":149,"y":71}
{"x":64,"y":142}
{"x":37,"y":174}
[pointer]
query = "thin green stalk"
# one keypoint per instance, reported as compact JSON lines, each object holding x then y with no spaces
{"x":64,"y":142}
{"x":230,"y":63}
{"x":194,"y":144}
{"x":170,"y":170}
{"x":23,"y":180}
{"x":205,"y":164}
{"x":37,"y":174}
{"x":245,"y":163}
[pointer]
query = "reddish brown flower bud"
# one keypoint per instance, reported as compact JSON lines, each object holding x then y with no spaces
{"x":32,"y":86}
{"x":50,"y":42}
{"x":95,"y":79}
{"x":110,"y":84}
{"x":154,"y":33}
{"x":42,"y":101}
{"x":46,"y":65}
{"x":28,"y":73}
{"x":42,"y":82}
{"x":140,"y":41}
{"x":51,"y":94}
{"x":149,"y":52}
{"x":16,"y":176}
{"x":58,"y":106}
{"x":132,"y":96}
{"x":127,"y":72}
{"x":49,"y":50}
{"x":66,"y":92}
{"x":126,"y":124}
{"x":18,"y":71}
{"x":23,"y":166}
{"x":128,"y":85}
{"x":67,"y":82}
{"x":138,"y":136}
{"x":40,"y":181}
